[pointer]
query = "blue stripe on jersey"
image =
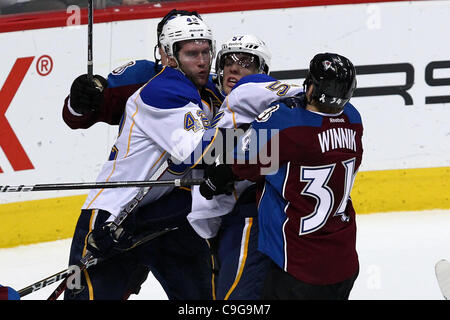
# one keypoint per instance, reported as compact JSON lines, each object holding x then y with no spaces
{"x":277,"y":118}
{"x":178,"y":169}
{"x":170,"y":89}
{"x":272,"y":217}
{"x":352,"y":114}
{"x":285,"y":117}
{"x":259,"y":77}
{"x":133,"y":72}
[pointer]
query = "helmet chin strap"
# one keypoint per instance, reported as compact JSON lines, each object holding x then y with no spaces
{"x":178,"y":67}
{"x":178,"y":64}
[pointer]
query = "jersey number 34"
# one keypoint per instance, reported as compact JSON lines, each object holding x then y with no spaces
{"x":317,"y":178}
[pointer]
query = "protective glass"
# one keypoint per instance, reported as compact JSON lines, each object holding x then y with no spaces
{"x":245,"y":60}
{"x":199,"y":49}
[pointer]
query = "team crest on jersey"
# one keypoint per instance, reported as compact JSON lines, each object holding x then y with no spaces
{"x":266,"y":114}
{"x":121,"y":69}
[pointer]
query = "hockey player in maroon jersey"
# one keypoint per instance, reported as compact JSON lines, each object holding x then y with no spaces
{"x":306,"y":216}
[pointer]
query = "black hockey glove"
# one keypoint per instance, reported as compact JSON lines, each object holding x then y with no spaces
{"x":87,"y":96}
{"x":219,"y":179}
{"x":107,"y":239}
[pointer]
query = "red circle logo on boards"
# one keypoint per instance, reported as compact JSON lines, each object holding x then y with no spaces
{"x":44,"y":65}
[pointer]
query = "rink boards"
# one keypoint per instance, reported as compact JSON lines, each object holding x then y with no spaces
{"x":403,"y":70}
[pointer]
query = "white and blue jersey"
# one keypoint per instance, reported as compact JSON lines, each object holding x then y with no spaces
{"x":165,"y":117}
{"x":122,"y":83}
{"x":249,"y":97}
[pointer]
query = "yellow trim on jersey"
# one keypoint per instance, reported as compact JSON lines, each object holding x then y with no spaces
{"x":213,"y":276}
{"x":52,"y":219}
{"x":232,"y":112}
{"x":137,"y":109}
{"x":207,"y":148}
{"x":157,"y":160}
{"x":86,"y":274}
{"x":128,"y":148}
{"x":235,"y":194}
{"x":89,"y":284}
{"x":131,"y":127}
{"x":175,"y":172}
{"x":115,"y":158}
{"x":91,"y":221}
{"x":142,"y":88}
{"x":213,"y":93}
{"x":209,"y":106}
{"x":242,"y":256}
{"x":101,"y":190}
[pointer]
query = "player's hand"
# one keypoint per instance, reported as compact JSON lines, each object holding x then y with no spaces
{"x":87,"y":96}
{"x":108,"y":238}
{"x":219,"y":179}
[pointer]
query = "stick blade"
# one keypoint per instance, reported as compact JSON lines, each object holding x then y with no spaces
{"x":442,"y":269}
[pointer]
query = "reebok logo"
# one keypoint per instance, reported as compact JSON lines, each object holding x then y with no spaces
{"x":339,"y":120}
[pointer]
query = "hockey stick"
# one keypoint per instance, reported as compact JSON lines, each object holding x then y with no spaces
{"x":101,"y":185}
{"x":84,"y":263}
{"x":117,"y":222}
{"x":442,"y":269}
{"x":90,"y":65}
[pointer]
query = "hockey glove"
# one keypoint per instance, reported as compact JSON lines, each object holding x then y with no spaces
{"x":108,"y":238}
{"x":87,"y":96}
{"x":219,"y":179}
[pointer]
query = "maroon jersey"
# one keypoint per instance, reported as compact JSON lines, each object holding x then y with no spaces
{"x":122,"y":83}
{"x":306,"y":217}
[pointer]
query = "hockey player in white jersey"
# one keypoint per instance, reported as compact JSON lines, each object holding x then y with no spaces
{"x":165,"y":117}
{"x":242,"y":66}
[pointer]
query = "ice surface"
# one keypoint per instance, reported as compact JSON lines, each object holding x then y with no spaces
{"x":397,"y":252}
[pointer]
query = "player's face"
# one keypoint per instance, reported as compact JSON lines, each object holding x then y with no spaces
{"x":194,"y":58}
{"x":236,"y":66}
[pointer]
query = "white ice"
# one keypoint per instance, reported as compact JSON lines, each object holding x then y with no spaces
{"x":397,"y":252}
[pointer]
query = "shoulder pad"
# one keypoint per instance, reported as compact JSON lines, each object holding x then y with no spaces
{"x":352,"y":113}
{"x":254,"y":78}
{"x":133,"y":72}
{"x":170,"y":89}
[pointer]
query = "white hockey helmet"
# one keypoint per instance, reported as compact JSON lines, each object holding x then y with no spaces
{"x":247,"y":44}
{"x":182,"y":28}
